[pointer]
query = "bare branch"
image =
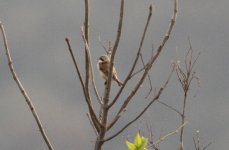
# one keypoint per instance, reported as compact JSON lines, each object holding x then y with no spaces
{"x":119,"y":31}
{"x":172,"y":108}
{"x":92,"y":124}
{"x":86,"y":20}
{"x":142,"y":112}
{"x":194,"y":141}
{"x":150,"y":63}
{"x":135,"y":73}
{"x":88,"y":66}
{"x":188,"y":53}
{"x":104,"y":114}
{"x":194,"y":62}
{"x":23,"y":91}
{"x":136,"y":59}
{"x":182,"y":121}
{"x":161,"y":139}
{"x":86,"y":34}
{"x":185,"y":77}
{"x":140,"y":70}
{"x":75,"y":64}
{"x":135,"y":119}
{"x":87,"y":98}
{"x":150,"y":83}
{"x":150,"y":131}
{"x":197,"y":142}
{"x":87,"y":48}
{"x":207,"y":145}
{"x":95,"y":88}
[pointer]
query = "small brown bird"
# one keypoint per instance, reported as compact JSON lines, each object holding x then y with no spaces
{"x":103,"y":66}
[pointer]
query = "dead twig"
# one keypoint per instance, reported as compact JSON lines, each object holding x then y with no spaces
{"x":136,"y":59}
{"x":142,"y":112}
{"x":150,"y":131}
{"x":92,"y":124}
{"x":23,"y":91}
{"x":90,"y":66}
{"x":104,"y":110}
{"x":185,"y":77}
{"x":87,"y":98}
{"x":170,"y":107}
{"x":140,"y":70}
{"x":75,"y":64}
{"x":104,"y":47}
{"x":86,"y":34}
{"x":150,"y":82}
{"x":161,"y":139}
{"x":197,"y":142}
{"x":148,"y":65}
{"x":135,"y":73}
{"x":207,"y":145}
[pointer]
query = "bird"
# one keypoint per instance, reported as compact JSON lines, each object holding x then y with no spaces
{"x":103,"y":66}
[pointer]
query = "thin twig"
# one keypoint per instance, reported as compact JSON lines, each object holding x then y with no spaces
{"x":172,"y":108}
{"x":140,"y":70}
{"x":136,"y":59}
{"x":150,"y":131}
{"x":135,"y":73}
{"x":105,"y":49}
{"x":90,"y":66}
{"x":197,"y":143}
{"x":94,"y":87}
{"x":99,"y":141}
{"x":207,"y":145}
{"x":135,"y":119}
{"x":161,"y":139}
{"x":75,"y":64}
{"x":150,"y":82}
{"x":198,"y":140}
{"x":194,"y":141}
{"x":87,"y":66}
{"x":119,"y":31}
{"x":185,"y":77}
{"x":91,"y":122}
{"x":88,"y":101}
{"x":194,"y":62}
{"x":86,"y":34}
{"x":23,"y":91}
{"x":143,"y":111}
{"x":182,"y":121}
{"x":148,"y":65}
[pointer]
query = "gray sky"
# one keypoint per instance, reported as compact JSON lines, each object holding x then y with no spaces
{"x":36,"y":32}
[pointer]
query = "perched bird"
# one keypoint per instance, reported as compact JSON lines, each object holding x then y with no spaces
{"x":103,"y":66}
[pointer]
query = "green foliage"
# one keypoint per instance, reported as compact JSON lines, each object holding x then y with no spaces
{"x":140,"y":143}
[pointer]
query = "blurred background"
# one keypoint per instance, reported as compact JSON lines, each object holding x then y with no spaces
{"x":36,"y":31}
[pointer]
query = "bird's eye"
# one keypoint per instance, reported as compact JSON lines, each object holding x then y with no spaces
{"x":101,"y":58}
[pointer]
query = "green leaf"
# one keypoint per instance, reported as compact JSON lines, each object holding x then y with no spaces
{"x":144,"y":144}
{"x":140,"y":143}
{"x":138,"y":140}
{"x":131,"y":146}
